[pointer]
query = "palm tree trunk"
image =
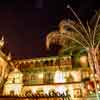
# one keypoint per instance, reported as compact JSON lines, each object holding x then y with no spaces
{"x":97,"y":67}
{"x":93,"y":63}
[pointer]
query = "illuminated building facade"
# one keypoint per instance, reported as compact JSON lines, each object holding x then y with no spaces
{"x":14,"y":83}
{"x":41,"y":76}
{"x":44,"y":77}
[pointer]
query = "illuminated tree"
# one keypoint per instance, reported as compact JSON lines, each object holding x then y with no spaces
{"x":75,"y":34}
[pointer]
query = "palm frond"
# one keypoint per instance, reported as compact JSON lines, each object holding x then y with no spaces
{"x":89,"y":29}
{"x":80,"y":22}
{"x":74,"y":29}
{"x":71,"y":49}
{"x":95,"y":28}
{"x":74,"y":39}
{"x":50,"y":37}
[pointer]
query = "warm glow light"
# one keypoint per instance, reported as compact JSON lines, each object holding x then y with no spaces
{"x":33,"y":90}
{"x":14,"y":83}
{"x":61,"y":89}
{"x":40,"y":76}
{"x":71,"y":91}
{"x":83,"y":59}
{"x":13,"y":87}
{"x":76,"y":75}
{"x":59,"y":77}
{"x":47,"y":88}
{"x":17,"y":89}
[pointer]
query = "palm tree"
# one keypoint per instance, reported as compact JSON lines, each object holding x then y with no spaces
{"x":73,"y":34}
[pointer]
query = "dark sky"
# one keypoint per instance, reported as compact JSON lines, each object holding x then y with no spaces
{"x":25,"y":23}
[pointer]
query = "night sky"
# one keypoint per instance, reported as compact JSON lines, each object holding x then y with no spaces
{"x":25,"y":23}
